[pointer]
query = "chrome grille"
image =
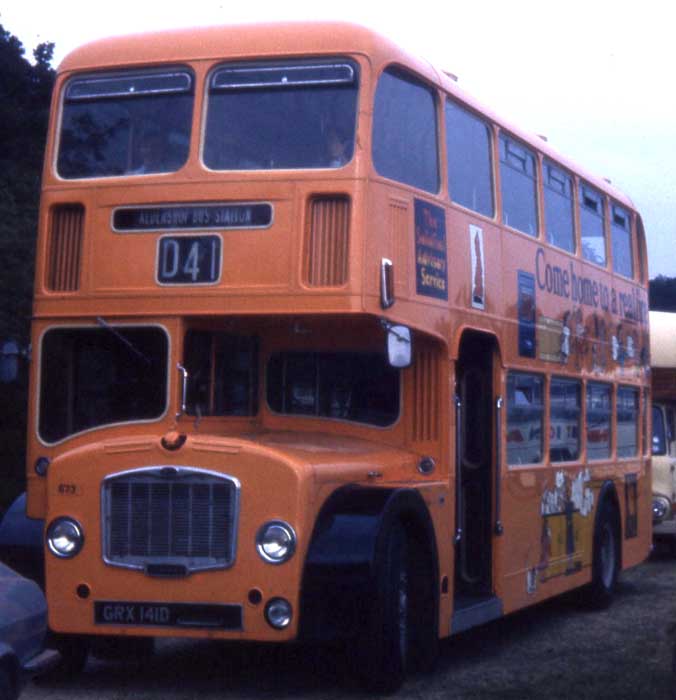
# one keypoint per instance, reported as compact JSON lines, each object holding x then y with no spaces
{"x":177,"y":516}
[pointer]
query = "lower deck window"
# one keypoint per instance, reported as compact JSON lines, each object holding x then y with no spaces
{"x":564,"y":429}
{"x":524,"y":418}
{"x":91,"y":377}
{"x":627,"y":421}
{"x":599,"y":414}
{"x":359,"y":387}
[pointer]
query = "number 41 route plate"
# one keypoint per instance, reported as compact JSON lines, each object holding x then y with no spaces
{"x":189,"y":260}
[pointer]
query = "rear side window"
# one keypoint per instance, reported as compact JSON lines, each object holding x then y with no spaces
{"x":405,"y":131}
{"x":468,"y":147}
{"x":558,"y":187}
{"x":592,"y":224}
{"x":627,"y":422}
{"x":518,"y":185}
{"x":620,"y":230}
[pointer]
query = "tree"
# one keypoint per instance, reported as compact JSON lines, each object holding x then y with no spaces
{"x":663,"y":293}
{"x":25,"y":92}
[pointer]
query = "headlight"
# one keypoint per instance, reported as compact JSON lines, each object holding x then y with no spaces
{"x":278,"y":613}
{"x":65,"y":537}
{"x":660,"y":509}
{"x":276,"y":542}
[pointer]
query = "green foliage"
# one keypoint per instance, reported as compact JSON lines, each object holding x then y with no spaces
{"x":25,"y":92}
{"x":663,"y":293}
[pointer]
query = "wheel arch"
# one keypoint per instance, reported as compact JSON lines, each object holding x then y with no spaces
{"x":348,"y":539}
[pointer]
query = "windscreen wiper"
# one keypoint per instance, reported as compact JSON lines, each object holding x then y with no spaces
{"x":104,"y":324}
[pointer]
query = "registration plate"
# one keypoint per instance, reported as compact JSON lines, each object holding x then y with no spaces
{"x":196,"y":615}
{"x":189,"y":259}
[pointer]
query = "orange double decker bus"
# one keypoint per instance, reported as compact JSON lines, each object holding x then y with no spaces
{"x":323,"y":349}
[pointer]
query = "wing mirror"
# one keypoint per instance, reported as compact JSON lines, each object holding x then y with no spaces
{"x":399,"y":345}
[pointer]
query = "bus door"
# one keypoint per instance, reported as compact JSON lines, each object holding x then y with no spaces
{"x":474,"y":479}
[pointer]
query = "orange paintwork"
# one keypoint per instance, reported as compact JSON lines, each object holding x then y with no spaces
{"x":288,"y":465}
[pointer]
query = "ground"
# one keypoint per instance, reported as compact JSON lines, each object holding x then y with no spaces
{"x":556,"y":650}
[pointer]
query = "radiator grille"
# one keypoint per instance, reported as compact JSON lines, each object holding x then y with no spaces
{"x":65,"y":248}
{"x":425,"y":398}
{"x":158,"y":516}
{"x":326,"y":242}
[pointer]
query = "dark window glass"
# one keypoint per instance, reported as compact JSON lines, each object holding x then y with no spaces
{"x":91,"y":377}
{"x":564,"y":428}
{"x":350,"y":386}
{"x":627,"y":422}
{"x":519,"y":186}
{"x":558,"y":188}
{"x":659,"y":432}
{"x":592,"y":225}
{"x":524,"y":418}
{"x":132,"y":123}
{"x":620,"y":231}
{"x":468,"y":147}
{"x":222,"y":374}
{"x":599,"y":413}
{"x":644,"y":424}
{"x":405,"y":131}
{"x":281,"y":116}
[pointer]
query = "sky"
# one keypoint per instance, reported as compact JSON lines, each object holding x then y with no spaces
{"x":594,"y":76}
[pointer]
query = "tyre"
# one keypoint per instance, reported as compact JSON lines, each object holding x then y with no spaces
{"x":8,"y":689}
{"x":381,"y":652}
{"x":74,"y":651}
{"x":606,"y":557}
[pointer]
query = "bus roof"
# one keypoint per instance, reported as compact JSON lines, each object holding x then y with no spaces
{"x":662,"y":339}
{"x":245,"y":41}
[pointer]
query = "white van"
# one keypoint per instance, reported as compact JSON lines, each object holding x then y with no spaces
{"x":663,"y":362}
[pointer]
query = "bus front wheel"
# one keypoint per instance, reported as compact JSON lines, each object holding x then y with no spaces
{"x":380,"y":654}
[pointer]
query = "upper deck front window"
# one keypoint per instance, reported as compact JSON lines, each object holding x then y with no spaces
{"x":265,"y":116}
{"x":131,"y":123}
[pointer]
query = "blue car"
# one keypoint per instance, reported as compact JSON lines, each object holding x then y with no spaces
{"x":23,"y":625}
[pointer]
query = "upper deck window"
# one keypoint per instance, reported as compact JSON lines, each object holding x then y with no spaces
{"x":405,"y":131}
{"x":620,"y":230}
{"x":592,"y":224}
{"x":558,"y":186}
{"x":468,"y":144}
{"x":132,"y":123}
{"x":264,"y":116}
{"x":519,"y":186}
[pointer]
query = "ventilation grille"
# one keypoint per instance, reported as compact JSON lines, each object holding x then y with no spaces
{"x":326,"y":242}
{"x":425,"y":398}
{"x":65,"y":248}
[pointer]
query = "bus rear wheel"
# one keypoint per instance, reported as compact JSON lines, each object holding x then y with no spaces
{"x":606,"y":557}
